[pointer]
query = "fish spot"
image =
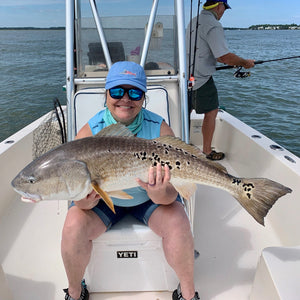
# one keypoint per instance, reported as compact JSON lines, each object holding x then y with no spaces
{"x":250,"y":185}
{"x":236,"y":181}
{"x":136,"y":155}
{"x":166,"y":151}
{"x":248,"y":189}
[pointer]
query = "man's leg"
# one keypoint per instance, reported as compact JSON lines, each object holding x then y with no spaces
{"x":80,"y":228}
{"x":172,"y":224}
{"x":208,"y":129}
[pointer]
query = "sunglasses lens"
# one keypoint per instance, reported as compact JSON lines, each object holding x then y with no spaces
{"x":135,"y":94}
{"x":119,"y":92}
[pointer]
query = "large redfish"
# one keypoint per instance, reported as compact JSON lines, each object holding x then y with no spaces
{"x":111,"y":161}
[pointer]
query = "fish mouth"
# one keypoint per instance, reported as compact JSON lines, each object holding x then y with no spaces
{"x":29,"y":198}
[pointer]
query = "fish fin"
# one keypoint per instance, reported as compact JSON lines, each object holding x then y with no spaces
{"x":191,"y":149}
{"x":115,"y":130}
{"x":185,"y":189}
{"x":103,"y":195}
{"x":258,"y":195}
{"x":119,"y":195}
{"x":176,"y":142}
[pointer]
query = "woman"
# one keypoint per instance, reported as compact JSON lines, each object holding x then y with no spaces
{"x":164,"y":213}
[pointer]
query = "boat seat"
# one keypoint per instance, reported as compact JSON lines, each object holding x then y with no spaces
{"x":96,"y":54}
{"x":91,"y":100}
{"x":131,"y":251}
{"x":278,"y":274}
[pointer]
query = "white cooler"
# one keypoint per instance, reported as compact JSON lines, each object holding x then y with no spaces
{"x":129,"y":257}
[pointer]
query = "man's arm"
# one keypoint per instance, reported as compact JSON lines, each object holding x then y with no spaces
{"x":232,"y":59}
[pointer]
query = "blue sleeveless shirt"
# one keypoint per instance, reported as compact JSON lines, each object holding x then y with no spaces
{"x":150,"y":130}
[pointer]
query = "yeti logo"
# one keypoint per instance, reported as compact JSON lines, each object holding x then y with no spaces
{"x":127,"y":254}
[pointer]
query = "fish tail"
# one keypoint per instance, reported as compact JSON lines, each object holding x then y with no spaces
{"x":258,"y":195}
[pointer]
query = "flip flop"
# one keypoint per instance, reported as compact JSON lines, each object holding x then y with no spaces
{"x":213,"y":155}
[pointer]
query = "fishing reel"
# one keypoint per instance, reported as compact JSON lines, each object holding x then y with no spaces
{"x":239,"y":74}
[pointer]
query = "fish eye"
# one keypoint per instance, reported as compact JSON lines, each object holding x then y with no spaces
{"x":31,"y":179}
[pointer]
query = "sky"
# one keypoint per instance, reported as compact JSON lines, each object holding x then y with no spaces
{"x":51,"y":13}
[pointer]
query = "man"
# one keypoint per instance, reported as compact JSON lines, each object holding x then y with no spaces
{"x":211,"y":48}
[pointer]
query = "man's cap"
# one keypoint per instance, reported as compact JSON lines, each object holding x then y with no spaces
{"x":212,"y":4}
{"x":126,"y":72}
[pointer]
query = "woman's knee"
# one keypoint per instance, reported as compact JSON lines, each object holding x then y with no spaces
{"x":84,"y":223}
{"x":171,"y":219}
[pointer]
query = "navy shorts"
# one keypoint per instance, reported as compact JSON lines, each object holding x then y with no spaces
{"x":141,"y":212}
{"x":205,"y":99}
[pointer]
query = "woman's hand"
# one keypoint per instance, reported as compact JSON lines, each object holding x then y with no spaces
{"x":90,"y":201}
{"x":158,"y":187}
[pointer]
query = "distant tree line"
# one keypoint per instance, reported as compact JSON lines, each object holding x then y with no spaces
{"x":32,"y":28}
{"x":275,"y":27}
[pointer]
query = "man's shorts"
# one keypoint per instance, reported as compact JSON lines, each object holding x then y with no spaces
{"x":205,"y":99}
{"x":141,"y":212}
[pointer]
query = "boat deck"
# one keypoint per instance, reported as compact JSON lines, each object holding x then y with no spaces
{"x":229,"y":250}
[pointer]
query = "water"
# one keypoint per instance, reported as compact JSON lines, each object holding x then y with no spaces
{"x":32,"y":73}
{"x":268,"y":100}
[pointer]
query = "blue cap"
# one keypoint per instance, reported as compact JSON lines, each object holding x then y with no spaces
{"x":126,"y":72}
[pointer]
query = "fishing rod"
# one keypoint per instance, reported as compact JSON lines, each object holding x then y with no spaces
{"x":257,"y":62}
{"x":191,"y":68}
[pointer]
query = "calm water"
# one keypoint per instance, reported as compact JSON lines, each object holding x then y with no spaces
{"x":32,"y":73}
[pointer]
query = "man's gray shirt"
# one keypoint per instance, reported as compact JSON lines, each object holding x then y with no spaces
{"x":211,"y":44}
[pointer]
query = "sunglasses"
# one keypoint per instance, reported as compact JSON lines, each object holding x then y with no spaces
{"x":134,"y":94}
